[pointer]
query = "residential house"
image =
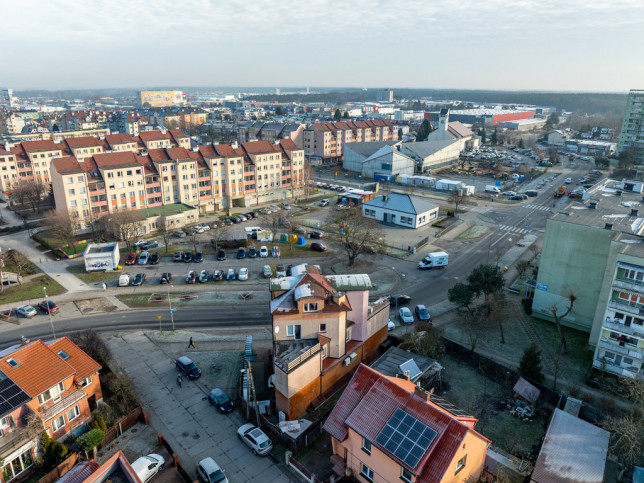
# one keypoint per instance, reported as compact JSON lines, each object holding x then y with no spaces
{"x":401,"y":209}
{"x":386,"y":429}
{"x":271,"y":131}
{"x":323,"y":327}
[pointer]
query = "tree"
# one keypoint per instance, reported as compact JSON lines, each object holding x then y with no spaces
{"x":97,"y":226}
{"x":553,"y":119}
{"x":218,"y":233}
{"x":120,"y":392}
{"x":99,"y":423}
{"x":193,"y":235}
{"x":522,"y":267}
{"x":354,"y":230}
{"x":212,"y":135}
{"x":626,"y":159}
{"x":482,"y":134}
{"x":530,"y":365}
{"x":90,"y":440}
{"x":308,"y":180}
{"x":456,"y":197}
{"x":558,"y":318}
{"x":428,"y":342}
{"x":272,"y":222}
{"x":338,"y":115}
{"x":29,"y":191}
{"x":63,"y":225}
{"x":162,"y":229}
{"x":279,"y":111}
{"x":602,"y":162}
{"x":462,"y":296}
{"x":54,"y":452}
{"x":126,"y":226}
{"x":486,"y":279}
{"x":19,"y":261}
{"x":346,"y":115}
{"x":494,"y":136}
{"x":91,"y":342}
{"x":521,"y":145}
{"x":424,"y":130}
{"x":627,"y":437}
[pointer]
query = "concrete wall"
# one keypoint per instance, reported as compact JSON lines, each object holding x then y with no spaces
{"x":400,"y":165}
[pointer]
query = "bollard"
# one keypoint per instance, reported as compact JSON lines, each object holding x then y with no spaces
{"x":175,"y":459}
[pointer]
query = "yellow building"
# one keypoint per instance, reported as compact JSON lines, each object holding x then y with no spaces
{"x":161,"y":98}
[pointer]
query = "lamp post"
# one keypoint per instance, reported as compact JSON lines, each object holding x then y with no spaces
{"x":170,"y":305}
{"x":44,"y":289}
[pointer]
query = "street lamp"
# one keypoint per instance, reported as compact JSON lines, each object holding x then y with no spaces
{"x":170,"y":305}
{"x":44,"y":289}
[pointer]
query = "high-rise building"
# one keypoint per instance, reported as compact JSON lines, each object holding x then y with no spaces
{"x":632,"y":135}
{"x":386,"y":95}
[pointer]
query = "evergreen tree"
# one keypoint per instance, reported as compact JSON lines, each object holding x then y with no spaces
{"x":338,"y":115}
{"x":346,"y":115}
{"x":493,"y":137}
{"x":530,"y":365}
{"x":279,"y":111}
{"x":424,"y":130}
{"x":483,"y":136}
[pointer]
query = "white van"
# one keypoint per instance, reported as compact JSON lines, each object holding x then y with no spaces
{"x":148,"y":466}
{"x":492,"y":189}
{"x":124,"y":280}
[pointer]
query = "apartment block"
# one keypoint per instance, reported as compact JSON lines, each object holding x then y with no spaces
{"x":323,"y":327}
{"x":632,"y":133}
{"x":271,"y":131}
{"x":323,"y":142}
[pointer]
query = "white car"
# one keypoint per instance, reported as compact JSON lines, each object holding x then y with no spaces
{"x":406,"y":315}
{"x":26,"y":311}
{"x":324,"y":202}
{"x":209,"y":471}
{"x":390,"y":326}
{"x":508,"y":193}
{"x":148,"y":466}
{"x":243,"y":274}
{"x":144,"y":258}
{"x":568,"y":180}
{"x":255,"y":439}
{"x":263,"y":251}
{"x":203,"y":226}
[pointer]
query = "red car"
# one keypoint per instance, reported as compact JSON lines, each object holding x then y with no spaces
{"x":131,"y":259}
{"x":318,"y":247}
{"x":368,"y":249}
{"x":48,"y":306}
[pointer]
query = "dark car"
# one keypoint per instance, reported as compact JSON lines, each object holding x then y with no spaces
{"x":318,"y":247}
{"x":189,"y":368}
{"x":48,"y":306}
{"x":221,"y":255}
{"x":191,"y":277}
{"x":422,"y":313}
{"x":396,"y":300}
{"x":166,"y":277}
{"x":187,"y":257}
{"x":316,"y":234}
{"x":250,"y":214}
{"x":241,"y":253}
{"x":252,"y":252}
{"x":178,"y":257}
{"x":138,"y":279}
{"x":518,"y":197}
{"x":222,"y":402}
{"x":198,"y":257}
{"x":217,"y":276}
{"x":154,"y":259}
{"x":131,"y":259}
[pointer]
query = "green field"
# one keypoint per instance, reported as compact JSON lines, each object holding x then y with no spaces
{"x":31,"y":290}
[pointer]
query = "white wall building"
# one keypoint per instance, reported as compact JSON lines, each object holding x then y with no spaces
{"x":401,"y":209}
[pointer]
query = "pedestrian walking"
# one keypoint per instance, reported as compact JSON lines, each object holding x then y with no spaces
{"x":179,"y":380}
{"x":104,"y":287}
{"x":191,"y":344}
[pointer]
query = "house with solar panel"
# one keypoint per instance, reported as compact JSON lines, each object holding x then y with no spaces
{"x":59,"y":381}
{"x":323,"y":327}
{"x":388,"y":429}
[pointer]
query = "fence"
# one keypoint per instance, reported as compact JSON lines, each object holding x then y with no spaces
{"x":180,"y":469}
{"x":60,"y":470}
{"x":123,"y":424}
{"x":301,"y":469}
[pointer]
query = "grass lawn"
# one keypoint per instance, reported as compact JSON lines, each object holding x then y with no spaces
{"x":78,"y":269}
{"x":31,"y":290}
{"x":138,"y":300}
{"x":30,"y":269}
{"x":75,"y":249}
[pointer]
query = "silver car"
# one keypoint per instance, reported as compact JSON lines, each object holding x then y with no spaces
{"x":26,"y":311}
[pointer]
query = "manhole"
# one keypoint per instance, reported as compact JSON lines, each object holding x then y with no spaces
{"x":185,"y":433}
{"x":111,"y":308}
{"x":196,"y":436}
{"x":88,"y":309}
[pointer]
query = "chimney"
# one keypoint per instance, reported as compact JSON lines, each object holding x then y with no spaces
{"x":384,"y":197}
{"x":633,"y":212}
{"x":608,"y":226}
{"x":405,"y":376}
{"x":421,"y":393}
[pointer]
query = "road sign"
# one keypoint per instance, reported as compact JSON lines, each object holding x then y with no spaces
{"x":542,"y":286}
{"x":159,"y":317}
{"x":173,"y":310}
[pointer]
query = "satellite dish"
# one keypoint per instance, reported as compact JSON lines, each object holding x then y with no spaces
{"x":277,"y":329}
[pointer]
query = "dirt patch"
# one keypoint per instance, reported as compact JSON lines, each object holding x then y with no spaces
{"x":93,"y":306}
{"x":474,"y":231}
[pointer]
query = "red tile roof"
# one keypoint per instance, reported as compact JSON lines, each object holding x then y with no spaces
{"x":157,"y":155}
{"x":83,"y":364}
{"x":82,"y":141}
{"x":288,"y":144}
{"x":153,"y":135}
{"x":119,"y":138}
{"x":39,"y":368}
{"x":113,"y":160}
{"x":177,"y":133}
{"x":259,"y":147}
{"x":66,"y":165}
{"x":224,"y":150}
{"x":47,"y":144}
{"x":207,"y":151}
{"x":178,"y":153}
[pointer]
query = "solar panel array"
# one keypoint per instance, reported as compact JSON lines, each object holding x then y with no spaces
{"x":11,"y":396}
{"x":406,"y":438}
{"x":410,"y":367}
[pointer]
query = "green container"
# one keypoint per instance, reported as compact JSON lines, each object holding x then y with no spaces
{"x":283,"y":238}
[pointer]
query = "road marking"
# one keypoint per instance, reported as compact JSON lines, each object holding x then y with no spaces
{"x":538,"y":207}
{"x":513,"y":229}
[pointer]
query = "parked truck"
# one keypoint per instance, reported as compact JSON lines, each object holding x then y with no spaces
{"x":434,"y":260}
{"x":559,"y":192}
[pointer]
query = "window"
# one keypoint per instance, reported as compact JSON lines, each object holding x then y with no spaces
{"x":460,"y":464}
{"x":369,"y":212}
{"x":366,"y":472}
{"x":405,"y":475}
{"x":72,"y":203}
{"x":81,"y":189}
{"x":71,"y":191}
{"x":80,"y":178}
{"x":17,"y":465}
{"x":12,"y":362}
{"x":322,"y":327}
{"x":348,"y":336}
{"x":64,"y":355}
{"x":129,"y":172}
{"x":366,"y":446}
{"x":70,"y":180}
{"x":73,"y":413}
{"x":58,"y":423}
{"x":323,"y":351}
{"x":294,"y":331}
{"x":311,"y":307}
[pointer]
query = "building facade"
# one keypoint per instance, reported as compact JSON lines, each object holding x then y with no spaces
{"x":632,"y":133}
{"x":401,"y":209}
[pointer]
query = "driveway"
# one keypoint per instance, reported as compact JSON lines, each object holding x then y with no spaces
{"x":183,"y":415}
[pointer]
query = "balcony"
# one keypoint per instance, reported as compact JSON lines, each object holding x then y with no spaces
{"x":98,"y":203}
{"x":156,"y":184}
{"x":290,"y":354}
{"x":629,"y":371}
{"x":620,"y":349}
{"x":153,"y":204}
{"x":626,"y":306}
{"x":629,"y":284}
{"x":61,"y":406}
{"x":12,"y":440}
{"x":634,"y":330}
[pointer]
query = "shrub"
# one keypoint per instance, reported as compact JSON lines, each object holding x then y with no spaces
{"x":91,"y":342}
{"x":575,"y":391}
{"x":90,"y":440}
{"x":99,"y":423}
{"x":530,"y":365}
{"x":54,"y":452}
{"x":107,"y":413}
{"x":120,"y":393}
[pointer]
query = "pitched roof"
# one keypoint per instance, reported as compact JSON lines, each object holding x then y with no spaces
{"x":83,"y":364}
{"x":460,"y":129}
{"x":66,"y":165}
{"x":82,"y":141}
{"x":152,"y":135}
{"x":288,"y":144}
{"x":402,"y":202}
{"x":113,"y":160}
{"x":39,"y":368}
{"x":259,"y":147}
{"x":178,"y":153}
{"x":119,"y":138}
{"x":46,"y":144}
{"x":424,"y":149}
{"x":367,"y":149}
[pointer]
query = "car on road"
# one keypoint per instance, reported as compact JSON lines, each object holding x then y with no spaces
{"x":178,"y":257}
{"x":532,"y":193}
{"x":166,"y":277}
{"x":221,"y":255}
{"x":263,"y":251}
{"x":396,"y":300}
{"x":241,"y":253}
{"x":209,"y":471}
{"x":203,"y":276}
{"x":48,"y":306}
{"x":280,"y":271}
{"x":422,"y":313}
{"x":255,"y":439}
{"x":179,"y":234}
{"x":217,"y":276}
{"x":318,"y":247}
{"x":144,"y":258}
{"x":316,"y":234}
{"x":267,"y":271}
{"x":131,"y":259}
{"x":198,"y":257}
{"x":324,"y":202}
{"x":187,"y":257}
{"x":568,"y":180}
{"x":138,"y":279}
{"x":26,"y":311}
{"x":243,"y":274}
{"x":406,"y":315}
{"x":390,"y":326}
{"x":230,"y":275}
{"x":189,"y":368}
{"x":155,"y":258}
{"x":146,"y":467}
{"x":252,"y":252}
{"x":191,"y":277}
{"x":218,"y":398}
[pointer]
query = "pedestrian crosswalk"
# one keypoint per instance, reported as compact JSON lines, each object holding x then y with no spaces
{"x":538,"y":207}
{"x":513,"y":229}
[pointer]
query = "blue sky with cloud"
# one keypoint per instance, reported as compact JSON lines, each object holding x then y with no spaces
{"x":496,"y":44}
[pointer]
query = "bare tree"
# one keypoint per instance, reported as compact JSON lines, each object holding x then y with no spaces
{"x":126,"y":226}
{"x":308,"y":180}
{"x":19,"y":261}
{"x":97,"y":226}
{"x":354,"y":231}
{"x":457,"y":197}
{"x":627,"y":437}
{"x":522,"y":267}
{"x":272,"y":222}
{"x":559,"y":317}
{"x":63,"y":225}
{"x":162,"y":229}
{"x":193,"y":235}
{"x":218,"y":233}
{"x":29,"y":191}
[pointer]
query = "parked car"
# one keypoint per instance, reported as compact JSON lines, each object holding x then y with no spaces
{"x":316,"y":234}
{"x":178,"y":257}
{"x":144,"y":258}
{"x":209,"y":471}
{"x":203,"y":276}
{"x":198,"y":257}
{"x":263,"y":251}
{"x":508,"y":193}
{"x":390,"y":326}
{"x":286,"y":206}
{"x":138,"y":279}
{"x":568,"y":180}
{"x":166,"y":277}
{"x":518,"y":197}
{"x":203,"y":227}
{"x":368,"y":249}
{"x":280,"y":271}
{"x":250,"y":214}
{"x":284,"y":223}
{"x":124,"y":280}
{"x":191,"y":277}
{"x":230,"y":275}
{"x":222,"y":402}
{"x":48,"y":306}
{"x":217,"y":276}
{"x":189,"y":368}
{"x":196,"y":229}
{"x":146,"y":467}
{"x":267,"y":271}
{"x":154,"y":258}
{"x":255,"y":439}
{"x":241,"y":253}
{"x":405,"y":315}
{"x":221,"y":255}
{"x":179,"y":234}
{"x":243,"y":274}
{"x":252,"y":252}
{"x":276,"y":252}
{"x":396,"y":300}
{"x":26,"y":311}
{"x":131,"y":259}
{"x":422,"y":313}
{"x":318,"y":247}
{"x":324,"y":202}
{"x":187,"y":257}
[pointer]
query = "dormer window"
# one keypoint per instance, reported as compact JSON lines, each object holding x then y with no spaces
{"x":64,"y":355}
{"x":311,"y":307}
{"x":12,"y":362}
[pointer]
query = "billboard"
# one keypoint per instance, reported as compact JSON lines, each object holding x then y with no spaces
{"x":162,"y":98}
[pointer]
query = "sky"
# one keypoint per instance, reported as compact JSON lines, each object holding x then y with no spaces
{"x":569,"y":45}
